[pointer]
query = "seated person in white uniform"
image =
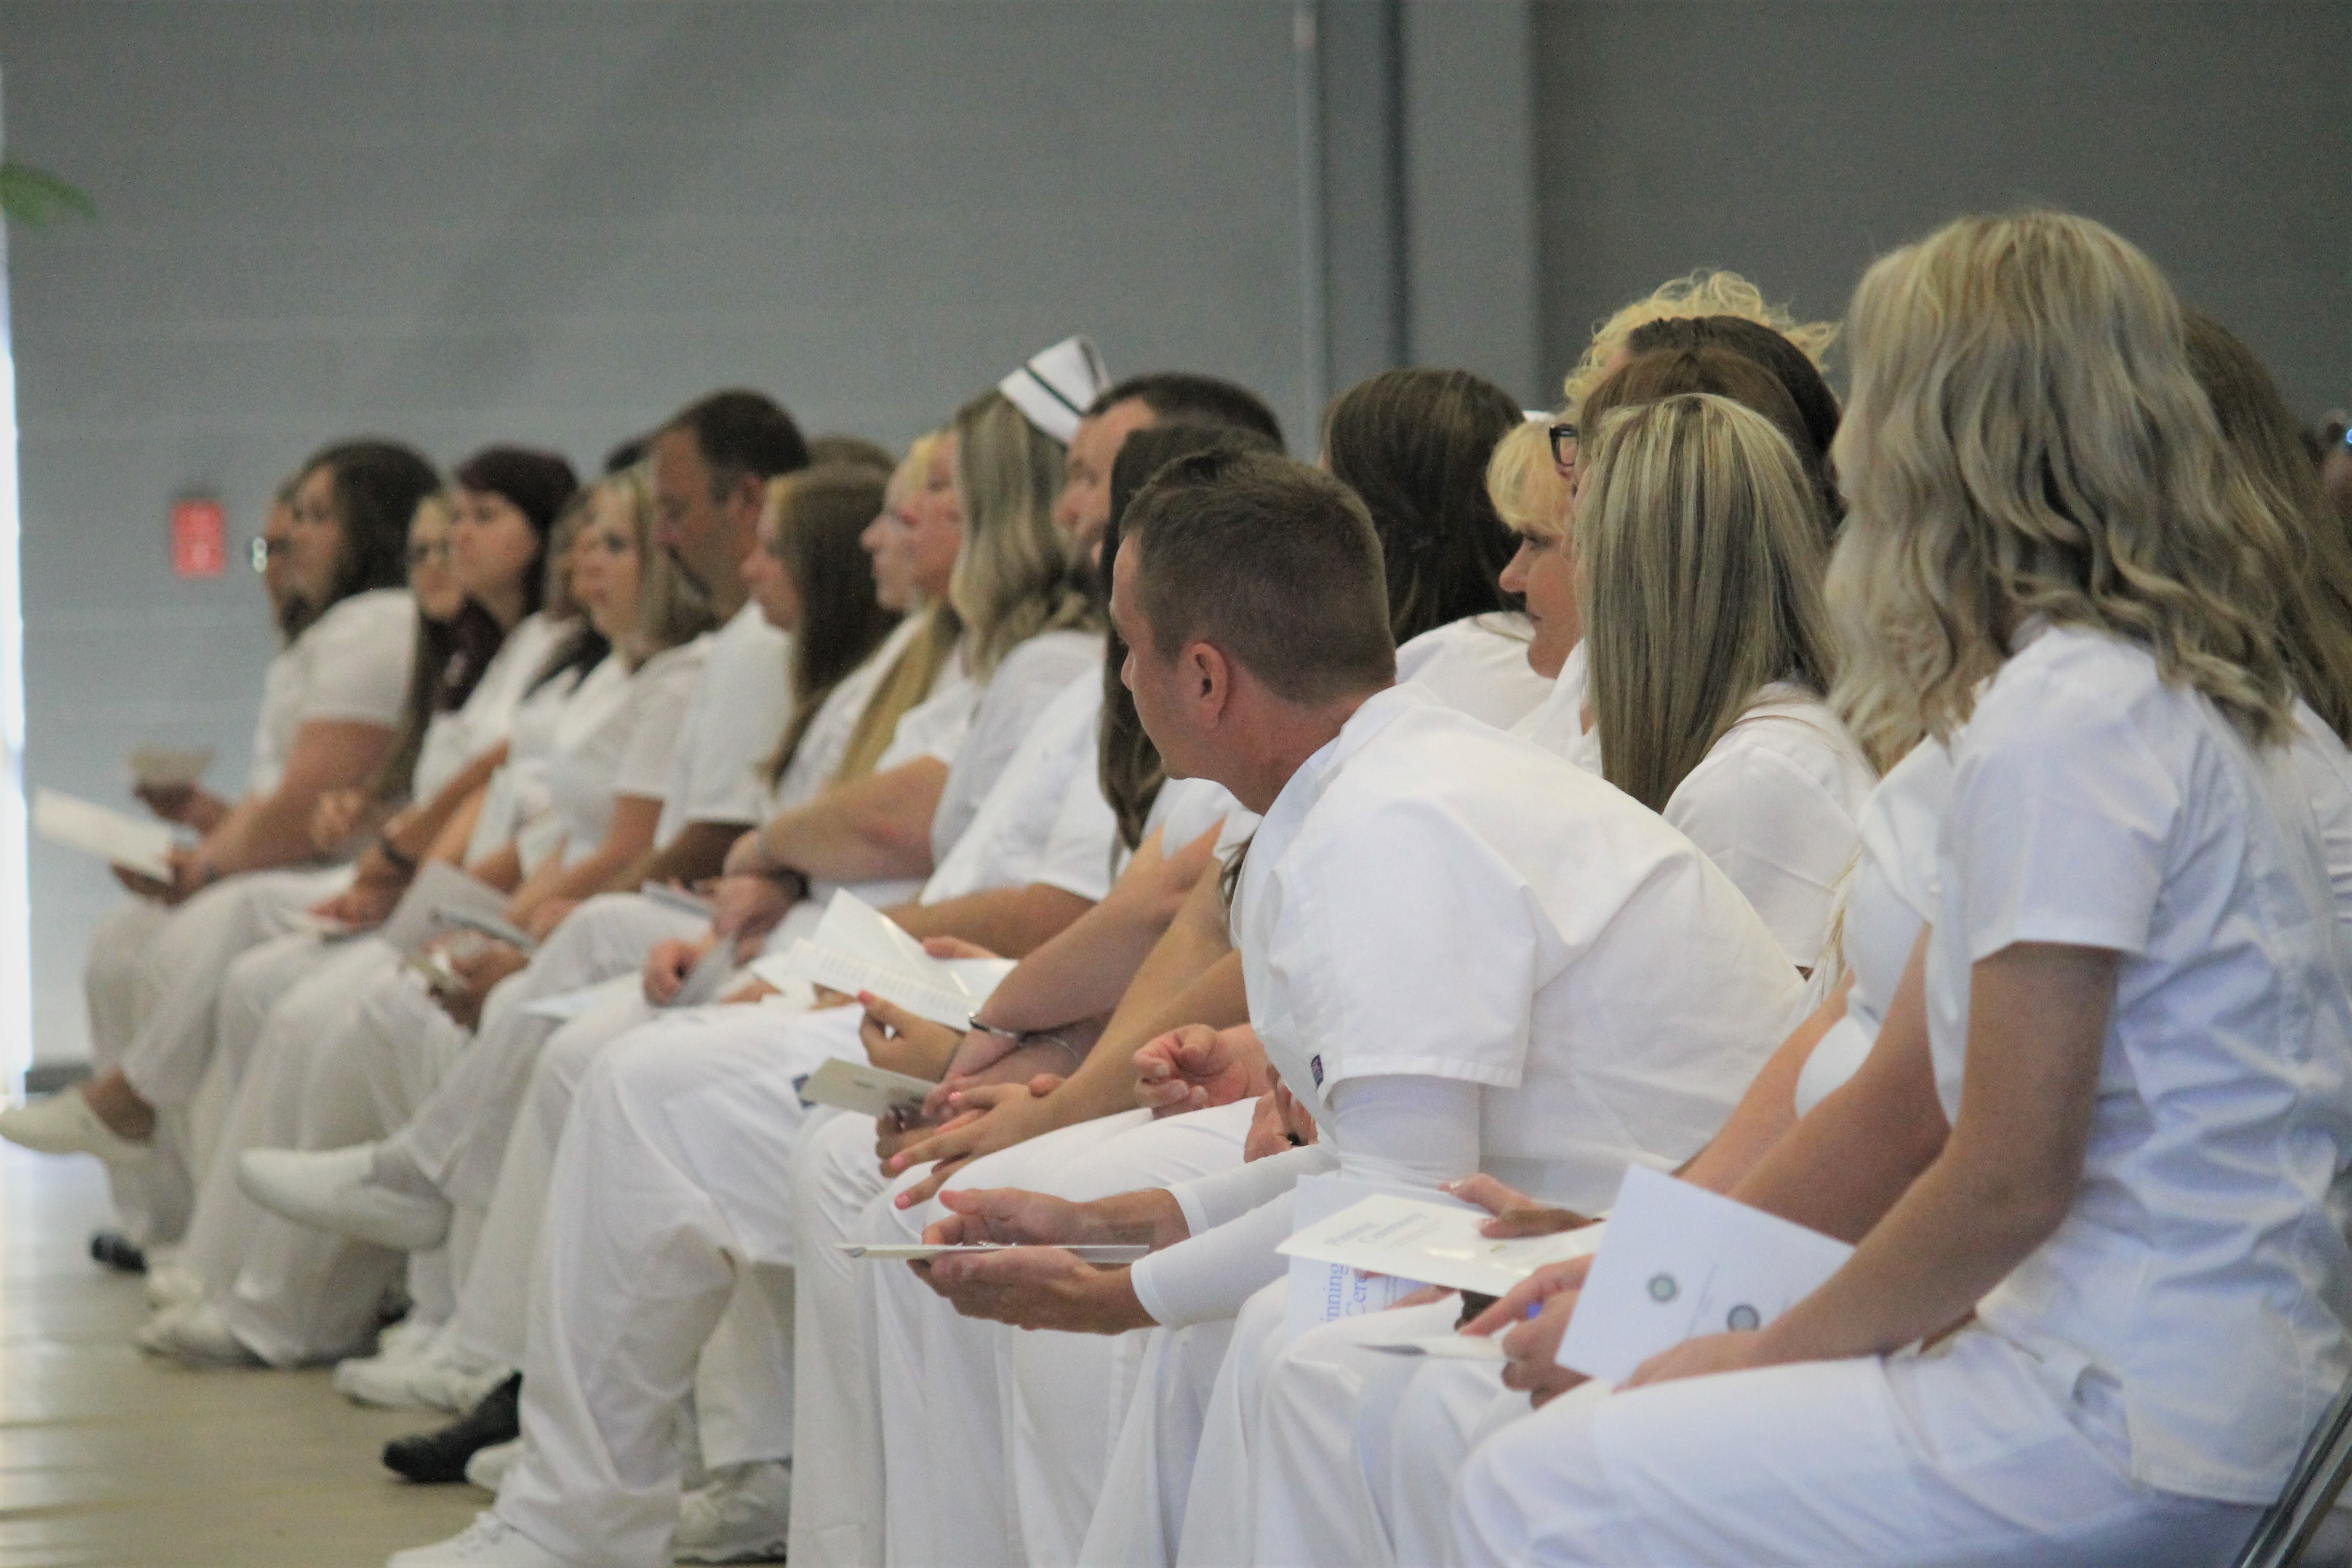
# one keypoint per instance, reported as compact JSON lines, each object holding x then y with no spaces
{"x":1709,"y":655}
{"x":474,"y":572}
{"x":1362,"y":1449}
{"x":330,"y":704}
{"x":2088,"y":1162}
{"x":1542,"y":1072}
{"x":1699,"y":541}
{"x":445,"y":1155}
{"x":1056,"y":770}
{"x":1413,"y":444}
{"x":1413,"y":440}
{"x":1761,"y":769}
{"x":297,"y":1297}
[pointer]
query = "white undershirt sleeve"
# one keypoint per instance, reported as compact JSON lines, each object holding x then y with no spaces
{"x":1396,"y":1131}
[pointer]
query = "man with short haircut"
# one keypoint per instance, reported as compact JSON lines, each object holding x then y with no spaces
{"x":1461,"y":952}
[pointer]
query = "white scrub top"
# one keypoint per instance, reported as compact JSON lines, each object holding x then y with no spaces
{"x":2093,"y":804}
{"x":1890,"y":897}
{"x":1018,"y":835}
{"x":1557,"y":724}
{"x":350,"y":666}
{"x":2325,"y":769}
{"x":1026,"y":681}
{"x":515,"y":808}
{"x":1479,"y":666}
{"x":1186,"y":808}
{"x":1773,"y":802}
{"x":455,"y":738}
{"x":734,"y":720}
{"x":615,"y":737}
{"x":825,"y":741}
{"x":1430,"y":895}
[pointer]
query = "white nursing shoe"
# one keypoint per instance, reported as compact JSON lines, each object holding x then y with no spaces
{"x":744,"y":1515}
{"x":195,"y":1333}
{"x":488,"y":1542}
{"x":334,"y":1190}
{"x":64,"y":1124}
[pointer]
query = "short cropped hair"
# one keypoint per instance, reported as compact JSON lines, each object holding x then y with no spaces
{"x":738,"y":433}
{"x":1274,"y":562}
{"x":1205,"y":399}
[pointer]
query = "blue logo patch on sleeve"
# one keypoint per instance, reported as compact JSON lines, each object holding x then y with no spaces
{"x":1314,"y":1065}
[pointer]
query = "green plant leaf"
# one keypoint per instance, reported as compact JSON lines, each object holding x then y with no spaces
{"x":36,"y":198}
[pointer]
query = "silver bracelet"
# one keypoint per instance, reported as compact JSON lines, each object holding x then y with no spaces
{"x":973,"y":1022}
{"x":1077,"y":1058}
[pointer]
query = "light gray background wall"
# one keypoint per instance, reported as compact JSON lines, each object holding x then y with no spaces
{"x":1795,"y":139}
{"x":468,"y":220}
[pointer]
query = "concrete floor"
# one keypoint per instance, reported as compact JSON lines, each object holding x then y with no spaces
{"x":110,"y":1458}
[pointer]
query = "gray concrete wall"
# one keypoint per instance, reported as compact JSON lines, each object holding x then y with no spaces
{"x":1794,"y":140}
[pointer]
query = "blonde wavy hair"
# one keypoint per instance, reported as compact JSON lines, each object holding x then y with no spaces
{"x":1709,"y":291}
{"x":1529,"y":494}
{"x":670,"y":608}
{"x":1702,"y":563}
{"x":1014,"y":576}
{"x":916,"y":670}
{"x":2025,"y":439}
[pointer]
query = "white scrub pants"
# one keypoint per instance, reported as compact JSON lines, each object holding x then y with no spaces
{"x":151,"y":1199}
{"x":457,"y":1135}
{"x":1354,"y":1443}
{"x":290,"y":1293}
{"x":1021,"y":1423}
{"x":185,"y":962}
{"x":670,"y":1178}
{"x":1972,"y":1455}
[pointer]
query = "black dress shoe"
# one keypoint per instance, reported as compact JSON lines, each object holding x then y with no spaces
{"x":437,"y":1458}
{"x":118,"y":1252}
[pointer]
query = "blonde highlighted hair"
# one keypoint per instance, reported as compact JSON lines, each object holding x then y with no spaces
{"x":671,"y":609}
{"x":1530,"y":493}
{"x":1705,"y":292}
{"x":917,"y":668}
{"x":1702,"y":563}
{"x":2025,"y":439}
{"x":1014,"y":577}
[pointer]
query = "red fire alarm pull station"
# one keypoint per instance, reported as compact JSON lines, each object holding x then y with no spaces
{"x":199,"y":537}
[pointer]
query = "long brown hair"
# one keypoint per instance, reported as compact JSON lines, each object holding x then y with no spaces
{"x":819,"y":514}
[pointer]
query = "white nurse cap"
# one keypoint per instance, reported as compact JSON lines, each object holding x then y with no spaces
{"x":1055,"y":386}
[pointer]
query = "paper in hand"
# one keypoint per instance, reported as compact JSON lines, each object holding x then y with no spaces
{"x":159,"y":767}
{"x":707,"y":978}
{"x":1679,"y":1261}
{"x":1436,"y":1242}
{"x":917,"y":1252}
{"x":134,"y":843}
{"x":440,"y":893}
{"x":857,"y":948}
{"x":862,"y":1088}
{"x":1324,"y":1289}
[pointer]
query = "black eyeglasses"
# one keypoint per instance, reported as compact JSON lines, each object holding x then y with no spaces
{"x":1563,"y":446}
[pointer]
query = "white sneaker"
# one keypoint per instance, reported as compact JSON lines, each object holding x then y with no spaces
{"x":410,"y":1337}
{"x":488,"y":1542}
{"x":489,"y":1466}
{"x":63,"y":1123}
{"x":172,"y":1286}
{"x":744,"y":1515}
{"x":194,"y":1333}
{"x":433,"y":1379}
{"x":334,"y":1190}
